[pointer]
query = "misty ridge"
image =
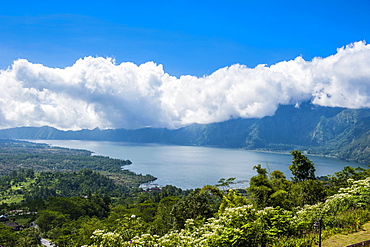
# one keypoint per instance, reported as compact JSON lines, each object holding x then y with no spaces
{"x":95,"y":92}
{"x":330,"y":131}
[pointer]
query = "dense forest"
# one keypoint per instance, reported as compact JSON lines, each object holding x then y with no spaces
{"x":83,"y":200}
{"x":43,"y":157}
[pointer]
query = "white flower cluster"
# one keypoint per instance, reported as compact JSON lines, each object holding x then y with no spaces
{"x":354,"y":196}
{"x":247,"y":226}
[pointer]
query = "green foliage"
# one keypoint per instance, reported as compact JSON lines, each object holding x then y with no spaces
{"x":48,"y":219}
{"x":29,"y":237}
{"x":293,"y":241}
{"x":86,"y":229}
{"x":232,"y":199}
{"x":341,"y":179}
{"x":277,"y":191}
{"x":242,"y":226}
{"x":279,"y":180}
{"x":85,"y":208}
{"x":202,"y":207}
{"x":126,"y":228}
{"x":228,"y":199}
{"x":225,"y":183}
{"x":44,"y":158}
{"x":7,"y":236}
{"x":83,"y":182}
{"x":145,"y":210}
{"x":247,"y":226}
{"x":307,"y":192}
{"x":302,"y":168}
{"x":51,"y":184}
{"x":260,"y":187}
{"x":163,"y":220}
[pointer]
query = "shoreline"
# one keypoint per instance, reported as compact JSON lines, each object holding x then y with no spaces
{"x":303,"y":152}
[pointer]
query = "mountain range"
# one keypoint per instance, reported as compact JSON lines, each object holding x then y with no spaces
{"x":330,"y":131}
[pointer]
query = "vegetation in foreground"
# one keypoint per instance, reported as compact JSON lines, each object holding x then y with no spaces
{"x":86,"y":208}
{"x":344,"y":239}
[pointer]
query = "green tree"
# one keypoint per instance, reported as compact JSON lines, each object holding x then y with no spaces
{"x":302,"y":168}
{"x":307,"y":192}
{"x":29,"y":237}
{"x":260,"y":187}
{"x":86,"y":230}
{"x":128,"y":227}
{"x":229,"y":199}
{"x":279,"y":181}
{"x":7,"y":236}
{"x":340,"y":179}
{"x":281,"y":187}
{"x":48,"y":219}
{"x":145,"y":210}
{"x":163,"y":220}
{"x":73,"y":207}
{"x":232,"y":199}
{"x":194,"y":206}
{"x":225,"y":183}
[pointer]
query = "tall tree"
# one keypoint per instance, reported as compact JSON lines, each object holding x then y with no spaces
{"x":307,"y":192}
{"x":225,"y":183}
{"x":229,"y":199}
{"x":7,"y":236}
{"x":281,"y":187}
{"x":260,"y":187}
{"x":196,"y":205}
{"x":163,"y":220}
{"x":302,"y":168}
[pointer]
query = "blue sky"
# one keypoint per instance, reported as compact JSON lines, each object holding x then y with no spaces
{"x":133,"y":64}
{"x":187,"y":37}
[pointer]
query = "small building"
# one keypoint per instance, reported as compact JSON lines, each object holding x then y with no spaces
{"x":3,"y":218}
{"x":14,"y":225}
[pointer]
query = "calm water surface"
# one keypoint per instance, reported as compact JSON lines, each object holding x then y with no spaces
{"x":189,"y":167}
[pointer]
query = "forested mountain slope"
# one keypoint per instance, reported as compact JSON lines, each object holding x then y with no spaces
{"x":339,"y":132}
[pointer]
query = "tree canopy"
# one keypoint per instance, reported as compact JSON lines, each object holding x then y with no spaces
{"x":302,"y":168}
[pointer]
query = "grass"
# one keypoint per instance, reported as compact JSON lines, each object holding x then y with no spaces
{"x":12,"y":199}
{"x":342,"y":240}
{"x":13,"y":196}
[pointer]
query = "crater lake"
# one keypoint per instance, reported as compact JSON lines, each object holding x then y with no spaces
{"x":190,"y":167}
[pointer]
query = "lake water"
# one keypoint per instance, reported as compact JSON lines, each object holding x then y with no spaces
{"x":190,"y":167}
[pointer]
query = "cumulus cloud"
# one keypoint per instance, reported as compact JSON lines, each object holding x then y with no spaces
{"x":97,"y":92}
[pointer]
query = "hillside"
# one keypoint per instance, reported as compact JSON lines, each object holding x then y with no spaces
{"x":338,"y":132}
{"x":73,"y":205}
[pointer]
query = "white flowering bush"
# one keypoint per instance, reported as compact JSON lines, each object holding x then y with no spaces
{"x":247,"y":226}
{"x":346,"y":210}
{"x":242,"y":226}
{"x":106,"y":239}
{"x":360,"y":191}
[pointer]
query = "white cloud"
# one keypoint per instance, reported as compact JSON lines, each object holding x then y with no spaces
{"x":96,"y":92}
